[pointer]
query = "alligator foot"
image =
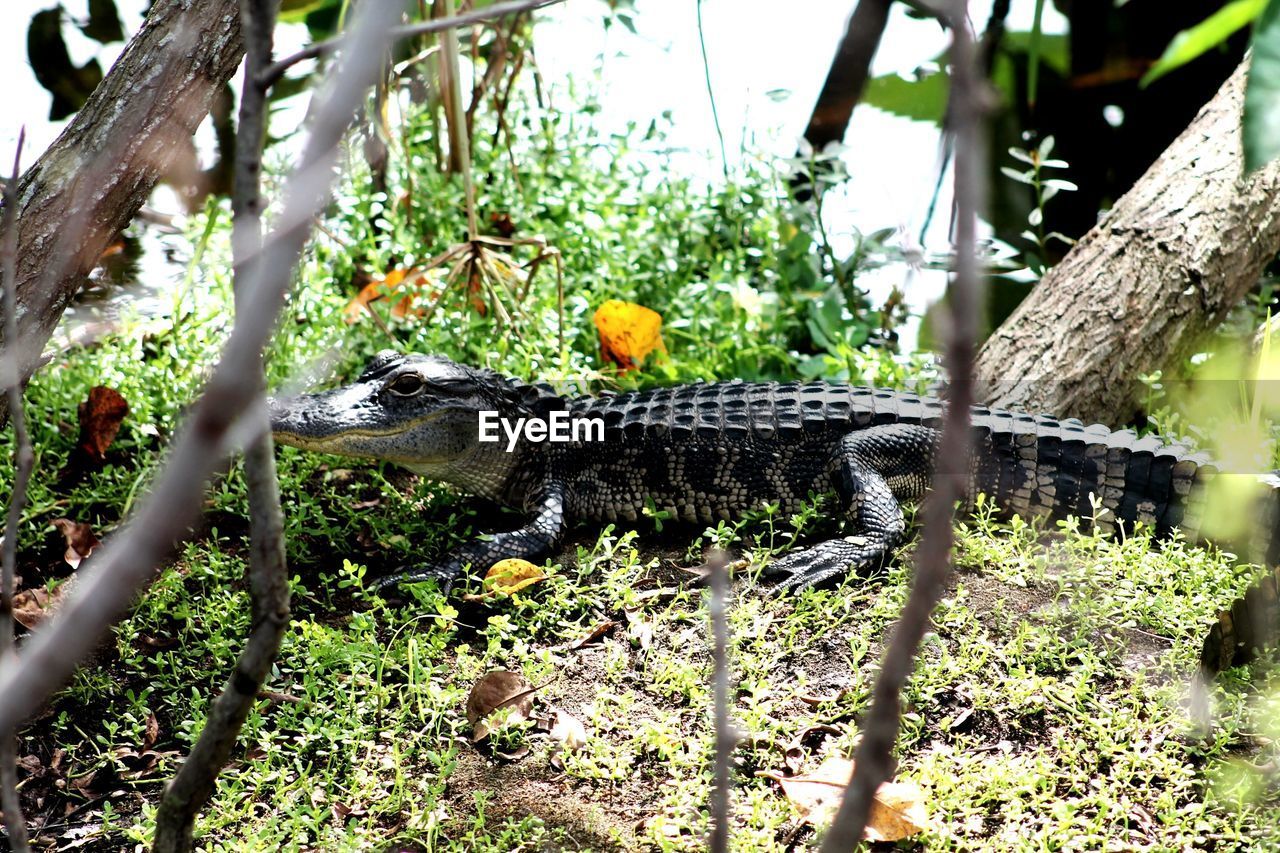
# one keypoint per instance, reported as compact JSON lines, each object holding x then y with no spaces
{"x":445,"y":574}
{"x":811,"y":567}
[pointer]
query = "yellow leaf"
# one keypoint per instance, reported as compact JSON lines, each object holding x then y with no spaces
{"x":512,"y":575}
{"x":897,"y":810}
{"x":628,"y":332}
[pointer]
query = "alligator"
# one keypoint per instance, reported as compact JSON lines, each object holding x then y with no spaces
{"x":707,"y":451}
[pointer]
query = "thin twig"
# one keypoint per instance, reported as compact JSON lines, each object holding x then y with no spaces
{"x":128,"y":560}
{"x":873,"y":761}
{"x":24,"y":461}
{"x":193,"y":785}
{"x":272,"y":73}
{"x":724,"y":733}
{"x":711,"y":93}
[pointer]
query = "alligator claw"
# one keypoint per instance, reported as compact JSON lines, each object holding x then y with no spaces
{"x":801,"y":570}
{"x":445,"y":575}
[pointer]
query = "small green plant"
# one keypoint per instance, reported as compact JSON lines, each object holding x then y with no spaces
{"x":1044,"y":188}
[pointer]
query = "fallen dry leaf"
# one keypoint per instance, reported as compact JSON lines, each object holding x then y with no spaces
{"x":628,"y":333}
{"x":897,"y":810}
{"x":597,"y":632}
{"x":80,"y":540}
{"x":142,"y":763}
{"x":512,"y":575}
{"x":497,"y":689}
{"x":100,"y":417}
{"x":33,"y":606}
{"x":794,"y":752}
{"x":29,"y":607}
{"x":514,"y":755}
{"x":341,"y":811}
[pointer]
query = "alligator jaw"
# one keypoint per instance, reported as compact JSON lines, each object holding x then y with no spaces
{"x":323,"y":423}
{"x":345,"y":424}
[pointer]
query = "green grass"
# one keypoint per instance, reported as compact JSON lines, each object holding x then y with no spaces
{"x":1047,"y":709}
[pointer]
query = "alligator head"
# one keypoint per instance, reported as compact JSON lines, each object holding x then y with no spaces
{"x":417,"y":411}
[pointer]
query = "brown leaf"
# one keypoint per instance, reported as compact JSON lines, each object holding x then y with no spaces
{"x":33,"y":606}
{"x":151,"y":731}
{"x":497,"y":689}
{"x":29,"y":607}
{"x":628,"y":333}
{"x":141,"y":763}
{"x":80,"y":540}
{"x":897,"y":810}
{"x":597,"y":632}
{"x":84,"y":784}
{"x":514,"y":755}
{"x":794,"y":752}
{"x":100,"y":417}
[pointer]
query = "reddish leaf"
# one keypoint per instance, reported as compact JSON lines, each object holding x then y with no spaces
{"x":100,"y":418}
{"x":502,"y":223}
{"x":404,"y":289}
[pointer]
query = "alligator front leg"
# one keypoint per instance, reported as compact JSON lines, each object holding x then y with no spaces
{"x":878,"y":467}
{"x":535,"y":539}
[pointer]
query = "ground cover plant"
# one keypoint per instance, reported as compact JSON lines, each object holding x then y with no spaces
{"x":1049,"y":707}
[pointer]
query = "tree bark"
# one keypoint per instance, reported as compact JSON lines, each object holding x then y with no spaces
{"x":1140,"y":290}
{"x":103,"y":166}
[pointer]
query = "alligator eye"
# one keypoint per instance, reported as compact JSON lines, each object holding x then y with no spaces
{"x":407,"y":385}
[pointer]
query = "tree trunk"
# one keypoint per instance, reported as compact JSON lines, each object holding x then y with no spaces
{"x":845,"y":83}
{"x":1140,"y":290}
{"x":103,"y":166}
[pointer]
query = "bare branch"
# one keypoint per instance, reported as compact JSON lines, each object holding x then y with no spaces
{"x":873,"y":761}
{"x":11,"y":379}
{"x":194,"y":783}
{"x":725,"y":736}
{"x":845,"y":83}
{"x":228,"y":407}
{"x":459,"y":140}
{"x":272,"y":73}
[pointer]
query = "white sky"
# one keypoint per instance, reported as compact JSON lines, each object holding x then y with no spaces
{"x":757,"y":50}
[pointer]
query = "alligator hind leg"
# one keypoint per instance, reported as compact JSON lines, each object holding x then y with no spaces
{"x":878,"y":467}
{"x":534,"y":540}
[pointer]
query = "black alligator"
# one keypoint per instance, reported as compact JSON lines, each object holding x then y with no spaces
{"x":704,"y":452}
